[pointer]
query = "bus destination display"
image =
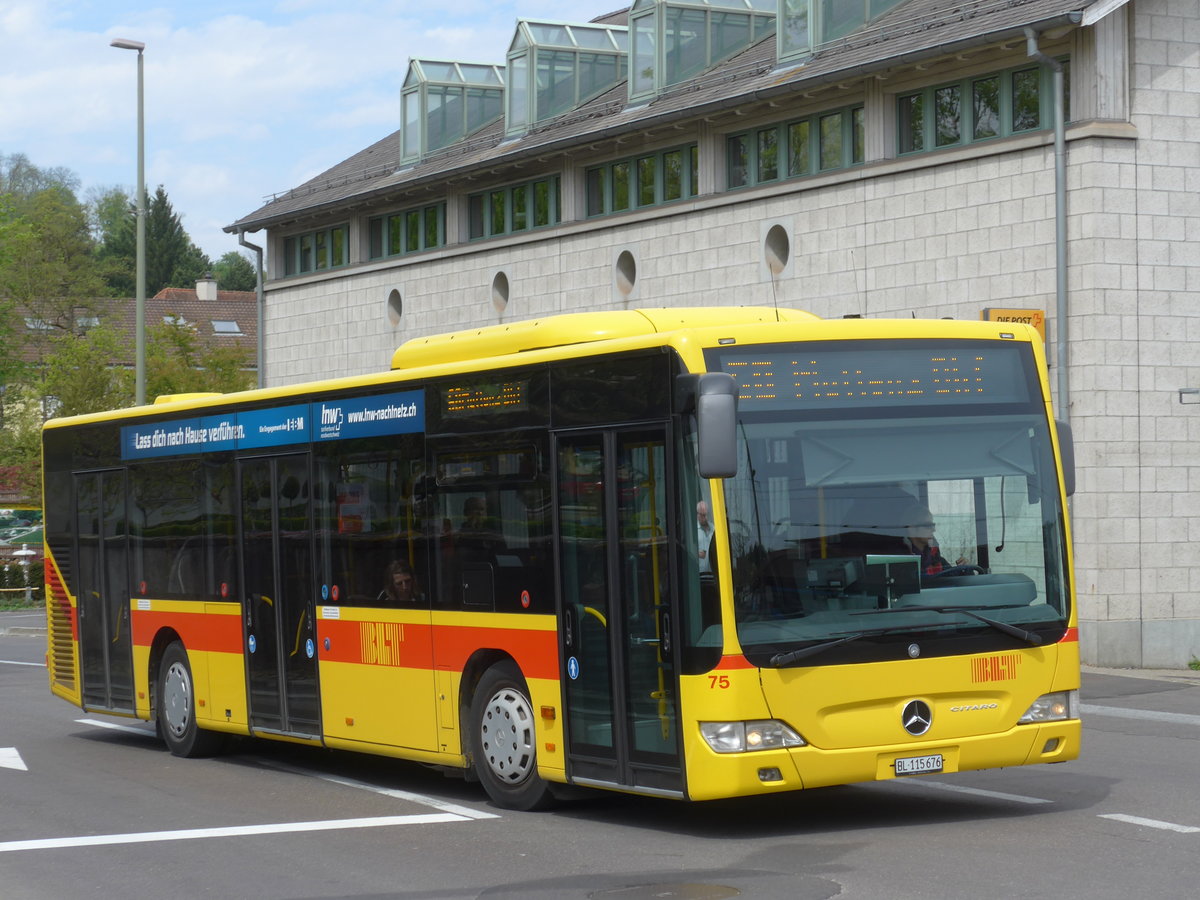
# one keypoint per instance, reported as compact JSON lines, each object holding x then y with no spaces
{"x":808,"y":376}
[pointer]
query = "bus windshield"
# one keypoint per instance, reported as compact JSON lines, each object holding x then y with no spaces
{"x":892,"y":499}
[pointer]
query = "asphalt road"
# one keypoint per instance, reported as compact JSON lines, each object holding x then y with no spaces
{"x":94,"y":806}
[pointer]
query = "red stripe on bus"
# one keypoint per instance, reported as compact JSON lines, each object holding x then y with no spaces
{"x":198,"y":631}
{"x":375,"y":643}
{"x":58,"y":594}
{"x":736,"y":661}
{"x":410,"y":645}
{"x":536,"y":652}
{"x":1071,"y":636}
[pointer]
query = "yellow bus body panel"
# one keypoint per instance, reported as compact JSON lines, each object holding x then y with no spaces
{"x":851,"y":718}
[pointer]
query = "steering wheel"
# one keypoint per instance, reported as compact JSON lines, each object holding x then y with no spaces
{"x":969,"y":569}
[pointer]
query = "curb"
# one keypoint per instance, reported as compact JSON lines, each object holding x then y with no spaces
{"x":22,"y":630}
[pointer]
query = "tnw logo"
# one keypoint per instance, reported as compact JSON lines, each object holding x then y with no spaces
{"x":331,"y":415}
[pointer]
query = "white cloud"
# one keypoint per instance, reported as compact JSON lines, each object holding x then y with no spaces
{"x":243,"y":99}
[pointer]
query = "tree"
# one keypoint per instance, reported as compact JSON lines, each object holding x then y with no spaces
{"x":16,"y":237}
{"x":82,"y":373}
{"x":179,"y":361}
{"x":48,"y":272}
{"x":172,"y":260}
{"x":22,"y":180}
{"x":21,"y":440}
{"x":107,"y":208}
{"x":235,"y":272}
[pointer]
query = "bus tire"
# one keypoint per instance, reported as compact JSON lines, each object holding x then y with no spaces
{"x":504,"y":741}
{"x":175,"y":719}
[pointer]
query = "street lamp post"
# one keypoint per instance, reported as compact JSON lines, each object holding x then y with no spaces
{"x":140,"y":324}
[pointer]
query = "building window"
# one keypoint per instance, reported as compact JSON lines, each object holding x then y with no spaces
{"x":641,"y":181}
{"x":820,"y":143}
{"x":975,"y":109}
{"x":555,"y":67}
{"x":443,"y":102}
{"x":316,"y":250}
{"x":226,"y":327}
{"x":512,"y":209}
{"x":675,"y":40}
{"x":409,"y":231}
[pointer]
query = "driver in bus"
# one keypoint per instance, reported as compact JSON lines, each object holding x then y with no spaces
{"x":918,"y":528}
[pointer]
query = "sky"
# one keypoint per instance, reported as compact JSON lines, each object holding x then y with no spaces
{"x":242,"y":99}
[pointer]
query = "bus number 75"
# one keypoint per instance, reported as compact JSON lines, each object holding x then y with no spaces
{"x":718,"y":682}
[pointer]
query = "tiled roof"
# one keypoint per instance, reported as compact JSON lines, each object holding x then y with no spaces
{"x":172,"y":303}
{"x":913,"y":31}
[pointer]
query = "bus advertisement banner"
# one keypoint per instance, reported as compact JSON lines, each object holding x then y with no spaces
{"x":339,"y":419}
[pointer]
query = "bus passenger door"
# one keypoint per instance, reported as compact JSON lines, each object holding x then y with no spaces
{"x":277,"y":585}
{"x":619,"y":662}
{"x":102,"y":565}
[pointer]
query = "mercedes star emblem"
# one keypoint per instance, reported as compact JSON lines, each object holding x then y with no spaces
{"x":917,"y":717}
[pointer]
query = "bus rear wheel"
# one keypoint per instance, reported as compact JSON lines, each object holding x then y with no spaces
{"x":176,"y":714}
{"x":505,"y":741}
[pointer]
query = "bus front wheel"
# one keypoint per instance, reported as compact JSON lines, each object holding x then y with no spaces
{"x":505,"y":741}
{"x":176,"y":715}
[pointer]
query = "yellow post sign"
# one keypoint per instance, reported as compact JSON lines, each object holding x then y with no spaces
{"x":1034,"y":317}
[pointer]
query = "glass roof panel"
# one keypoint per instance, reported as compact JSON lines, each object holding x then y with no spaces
{"x":550,"y":35}
{"x":767,"y":6}
{"x":481,"y":74}
{"x":439,"y":71}
{"x":599,"y":38}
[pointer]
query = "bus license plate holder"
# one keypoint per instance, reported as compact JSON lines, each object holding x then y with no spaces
{"x":919,"y":765}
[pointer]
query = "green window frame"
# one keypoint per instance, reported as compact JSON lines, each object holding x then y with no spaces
{"x":316,"y":251}
{"x":515,"y":208}
{"x":821,"y":142}
{"x":978,"y":108}
{"x":638,"y":182}
{"x":407,"y":231}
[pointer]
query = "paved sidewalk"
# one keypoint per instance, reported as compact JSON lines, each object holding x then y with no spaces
{"x":23,"y":621}
{"x":1186,"y":675}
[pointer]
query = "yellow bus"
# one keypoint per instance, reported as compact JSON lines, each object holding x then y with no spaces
{"x":689,"y":553}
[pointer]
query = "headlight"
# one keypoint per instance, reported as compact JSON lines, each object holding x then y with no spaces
{"x":1052,"y":708}
{"x":740,"y":737}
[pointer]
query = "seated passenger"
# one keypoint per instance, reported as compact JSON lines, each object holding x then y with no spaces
{"x":476,"y":541}
{"x":400,"y":588}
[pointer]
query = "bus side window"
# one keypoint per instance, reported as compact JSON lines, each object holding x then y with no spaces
{"x":492,"y":518}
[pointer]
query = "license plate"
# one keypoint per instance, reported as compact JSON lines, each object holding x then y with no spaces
{"x":919,"y":765}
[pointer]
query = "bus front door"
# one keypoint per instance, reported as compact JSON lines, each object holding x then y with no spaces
{"x":277,"y":584}
{"x":105,"y":648}
{"x":615,"y":613}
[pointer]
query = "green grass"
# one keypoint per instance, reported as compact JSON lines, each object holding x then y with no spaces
{"x":1194,"y":665}
{"x":14,"y":600}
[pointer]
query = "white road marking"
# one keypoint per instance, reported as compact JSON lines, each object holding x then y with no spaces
{"x":191,"y":834}
{"x":129,"y":729}
{"x":1118,"y":712}
{"x":16,"y":662}
{"x":452,"y":808}
{"x":11,"y":759}
{"x":455,"y":809}
{"x":1151,"y":823}
{"x":978,"y":792}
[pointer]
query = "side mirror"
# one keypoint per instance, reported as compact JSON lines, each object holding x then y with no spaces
{"x":1066,"y":451}
{"x":714,"y":397}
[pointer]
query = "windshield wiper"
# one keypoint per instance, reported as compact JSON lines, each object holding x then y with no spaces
{"x":1014,"y":631}
{"x":787,"y":657}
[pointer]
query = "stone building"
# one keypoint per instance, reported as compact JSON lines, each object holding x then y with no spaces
{"x":849,"y":157}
